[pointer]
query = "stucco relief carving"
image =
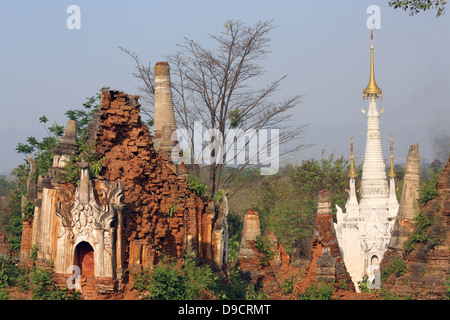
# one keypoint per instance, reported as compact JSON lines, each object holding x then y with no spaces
{"x":86,"y":214}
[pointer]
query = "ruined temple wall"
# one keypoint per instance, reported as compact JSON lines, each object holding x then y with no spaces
{"x":326,"y":261}
{"x":409,"y":206}
{"x":136,"y":210}
{"x":427,"y":266}
{"x":161,"y":213}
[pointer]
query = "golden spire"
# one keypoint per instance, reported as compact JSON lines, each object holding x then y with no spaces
{"x":372,"y":89}
{"x":352,"y":173}
{"x":391,"y":147}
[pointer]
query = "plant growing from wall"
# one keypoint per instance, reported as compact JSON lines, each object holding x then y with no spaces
{"x":264,"y":246}
{"x":34,"y":252}
{"x":196,"y":185}
{"x":28,"y":211}
{"x":86,"y":153}
{"x":178,"y":280}
{"x":172,"y":208}
{"x":428,"y":191}
{"x":426,"y":232}
{"x":322,"y":290}
{"x":396,"y":266}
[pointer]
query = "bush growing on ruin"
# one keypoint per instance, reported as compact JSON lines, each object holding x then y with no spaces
{"x":175,"y":280}
{"x":172,"y":279}
{"x":42,"y":151}
{"x":288,"y":204}
{"x":86,"y":153}
{"x":196,"y":185}
{"x":426,"y":232}
{"x":322,"y":290}
{"x":428,"y":191}
{"x":396,"y":266}
{"x":263,"y":245}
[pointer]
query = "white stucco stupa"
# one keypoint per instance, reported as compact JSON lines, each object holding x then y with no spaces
{"x":364,"y":229}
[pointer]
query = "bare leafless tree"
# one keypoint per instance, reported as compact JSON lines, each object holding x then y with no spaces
{"x":214,"y":87}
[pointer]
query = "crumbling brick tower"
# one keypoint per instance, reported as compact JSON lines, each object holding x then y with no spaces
{"x":136,"y":210}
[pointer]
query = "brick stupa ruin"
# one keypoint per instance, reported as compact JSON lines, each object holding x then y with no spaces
{"x":137,"y":209}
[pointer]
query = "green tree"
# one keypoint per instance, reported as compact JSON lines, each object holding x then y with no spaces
{"x":289,"y":202}
{"x":428,"y":190}
{"x":10,"y":209}
{"x":42,"y":152}
{"x":416,"y":6}
{"x":84,"y":116}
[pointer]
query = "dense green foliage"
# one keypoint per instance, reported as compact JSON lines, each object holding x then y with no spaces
{"x":10,"y":209}
{"x":318,"y":291}
{"x":42,"y":151}
{"x":288,"y":202}
{"x":38,"y":280}
{"x":428,"y":190}
{"x":186,"y":280}
{"x":85,"y":153}
{"x":447,"y":289}
{"x":264,"y":246}
{"x":426,"y":232}
{"x":83,"y":116}
{"x":416,"y":6}
{"x":196,"y":185}
{"x":396,"y":266}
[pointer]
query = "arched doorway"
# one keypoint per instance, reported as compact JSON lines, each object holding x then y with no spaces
{"x":84,"y":258}
{"x":374,"y":265}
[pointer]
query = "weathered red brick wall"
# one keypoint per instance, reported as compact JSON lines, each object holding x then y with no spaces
{"x":27,"y":230}
{"x":325,"y":238}
{"x":427,"y":270}
{"x":152,"y":189}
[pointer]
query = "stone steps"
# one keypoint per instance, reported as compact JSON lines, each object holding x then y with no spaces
{"x":88,"y":288}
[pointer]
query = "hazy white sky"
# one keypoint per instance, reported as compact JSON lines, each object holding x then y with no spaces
{"x":323,"y":47}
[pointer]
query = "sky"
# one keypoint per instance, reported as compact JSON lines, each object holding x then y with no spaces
{"x":322,"y":47}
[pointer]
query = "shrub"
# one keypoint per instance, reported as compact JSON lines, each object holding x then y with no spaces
{"x":28,"y":210}
{"x":185,"y":280}
{"x":39,"y":280}
{"x":172,"y":280}
{"x":363,"y":287}
{"x":396,"y":266}
{"x":318,"y":291}
{"x":264,"y":246}
{"x":287,"y":286}
{"x":196,"y":185}
{"x":86,"y":153}
{"x":44,"y":288}
{"x":253,"y":294}
{"x":428,"y":191}
{"x":447,"y":289}
{"x":426,"y":233}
